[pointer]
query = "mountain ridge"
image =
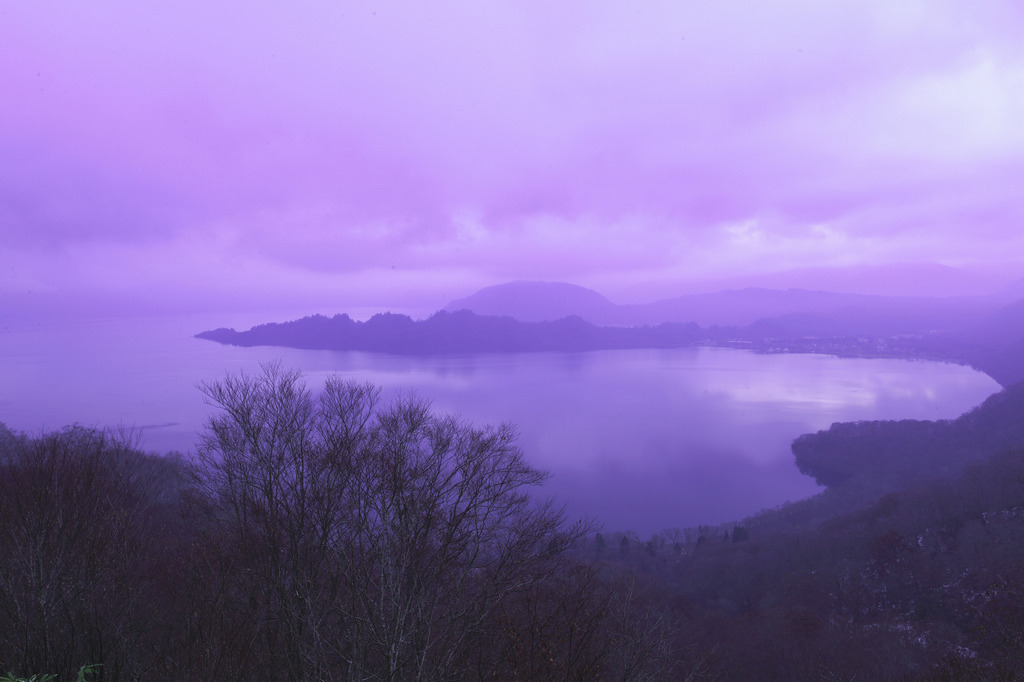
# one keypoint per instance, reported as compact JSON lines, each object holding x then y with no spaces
{"x":547,"y":301}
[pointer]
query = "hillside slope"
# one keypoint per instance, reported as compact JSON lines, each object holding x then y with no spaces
{"x":889,"y":455}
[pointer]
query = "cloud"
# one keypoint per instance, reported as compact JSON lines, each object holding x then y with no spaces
{"x":511,"y":139}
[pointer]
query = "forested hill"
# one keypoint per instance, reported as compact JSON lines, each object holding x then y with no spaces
{"x":996,"y":344}
{"x":890,"y":455}
{"x":448,"y":332}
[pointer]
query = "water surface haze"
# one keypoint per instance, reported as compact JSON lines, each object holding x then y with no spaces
{"x":640,"y":439}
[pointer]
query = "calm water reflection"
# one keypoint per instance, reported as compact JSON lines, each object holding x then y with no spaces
{"x":642,"y":439}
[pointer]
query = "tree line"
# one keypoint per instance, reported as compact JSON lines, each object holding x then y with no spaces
{"x":327,"y":536}
{"x":333,"y":535}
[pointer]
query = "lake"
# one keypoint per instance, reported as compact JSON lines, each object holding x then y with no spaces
{"x":640,"y":439}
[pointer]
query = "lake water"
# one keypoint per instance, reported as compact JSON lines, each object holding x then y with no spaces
{"x":640,"y":439}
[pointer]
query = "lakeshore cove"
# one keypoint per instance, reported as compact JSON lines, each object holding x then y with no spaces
{"x":640,"y":439}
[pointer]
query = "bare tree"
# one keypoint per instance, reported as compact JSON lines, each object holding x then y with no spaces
{"x":445,"y":531}
{"x":275,"y":465}
{"x":374,"y":541}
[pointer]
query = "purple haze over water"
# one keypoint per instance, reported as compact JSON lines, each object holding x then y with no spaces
{"x":641,"y":439}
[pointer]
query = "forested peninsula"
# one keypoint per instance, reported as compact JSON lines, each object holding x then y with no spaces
{"x":454,"y":332}
{"x":993,"y":345}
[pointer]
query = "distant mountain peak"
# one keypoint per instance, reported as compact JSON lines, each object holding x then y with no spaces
{"x":532,"y":301}
{"x":524,"y":287}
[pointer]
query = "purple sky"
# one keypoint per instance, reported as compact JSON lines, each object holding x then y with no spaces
{"x":402,"y":154}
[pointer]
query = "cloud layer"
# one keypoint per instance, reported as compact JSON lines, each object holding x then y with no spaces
{"x":420,"y":150}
